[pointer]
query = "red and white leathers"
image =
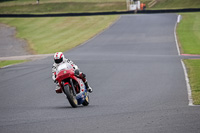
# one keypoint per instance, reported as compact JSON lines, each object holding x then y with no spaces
{"x":55,"y":66}
{"x":54,"y":69}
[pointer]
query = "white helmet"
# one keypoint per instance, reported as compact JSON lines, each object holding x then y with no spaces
{"x":58,"y":57}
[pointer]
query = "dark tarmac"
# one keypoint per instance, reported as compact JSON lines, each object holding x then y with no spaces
{"x":137,"y":78}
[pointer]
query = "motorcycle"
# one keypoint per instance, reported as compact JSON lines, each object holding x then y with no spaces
{"x":73,"y":87}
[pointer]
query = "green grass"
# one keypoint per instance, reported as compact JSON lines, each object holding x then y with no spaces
{"x":177,"y":4}
{"x":193,"y":69}
{"x":49,"y":35}
{"x":10,"y":62}
{"x":188,"y":31}
{"x":67,"y":6}
{"x":26,"y":2}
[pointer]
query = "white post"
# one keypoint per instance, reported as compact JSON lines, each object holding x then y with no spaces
{"x":138,"y":4}
{"x":37,"y":1}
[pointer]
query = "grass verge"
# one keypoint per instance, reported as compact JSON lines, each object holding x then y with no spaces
{"x":10,"y":62}
{"x":27,"y":2}
{"x":176,"y":4}
{"x":63,"y":7}
{"x":49,"y":35}
{"x":188,"y":31}
{"x":193,"y":67}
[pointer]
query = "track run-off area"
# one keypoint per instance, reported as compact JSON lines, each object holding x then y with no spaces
{"x":137,"y":77}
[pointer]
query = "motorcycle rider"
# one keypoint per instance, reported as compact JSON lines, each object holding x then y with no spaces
{"x":59,"y":59}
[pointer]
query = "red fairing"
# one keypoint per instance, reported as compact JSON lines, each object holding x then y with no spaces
{"x":64,"y":74}
{"x":66,"y":83}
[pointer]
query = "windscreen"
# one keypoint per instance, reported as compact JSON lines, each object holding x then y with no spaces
{"x":64,"y":66}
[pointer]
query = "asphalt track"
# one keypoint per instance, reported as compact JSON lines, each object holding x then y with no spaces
{"x":137,"y":77}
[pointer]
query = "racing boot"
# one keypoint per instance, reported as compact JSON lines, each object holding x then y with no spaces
{"x":58,"y":89}
{"x":83,"y":77}
{"x":88,"y":87}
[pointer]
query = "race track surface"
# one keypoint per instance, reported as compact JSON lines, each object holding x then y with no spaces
{"x":136,"y":74}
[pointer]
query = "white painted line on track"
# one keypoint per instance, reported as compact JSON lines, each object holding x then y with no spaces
{"x":188,"y":84}
{"x":177,"y":46}
{"x":183,"y":65}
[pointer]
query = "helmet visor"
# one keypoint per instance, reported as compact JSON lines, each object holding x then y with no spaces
{"x":57,"y":61}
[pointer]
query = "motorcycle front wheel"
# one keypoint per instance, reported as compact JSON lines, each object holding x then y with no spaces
{"x":87,"y":101}
{"x":71,"y":98}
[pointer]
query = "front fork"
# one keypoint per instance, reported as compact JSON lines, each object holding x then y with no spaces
{"x":73,"y":89}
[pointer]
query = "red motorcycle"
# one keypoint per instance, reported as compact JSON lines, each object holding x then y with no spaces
{"x":73,"y":87}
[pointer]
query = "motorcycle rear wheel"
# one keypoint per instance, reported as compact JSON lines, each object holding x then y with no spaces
{"x":71,"y":98}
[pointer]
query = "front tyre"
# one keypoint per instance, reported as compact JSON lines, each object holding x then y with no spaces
{"x":71,"y":98}
{"x":87,"y":101}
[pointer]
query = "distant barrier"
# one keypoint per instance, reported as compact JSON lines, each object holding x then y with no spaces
{"x":171,"y":10}
{"x":103,"y":13}
{"x":66,"y":14}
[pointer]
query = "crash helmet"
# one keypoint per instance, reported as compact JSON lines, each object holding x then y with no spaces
{"x":58,"y":57}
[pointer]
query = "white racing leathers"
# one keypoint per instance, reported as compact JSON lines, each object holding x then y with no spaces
{"x":55,"y":66}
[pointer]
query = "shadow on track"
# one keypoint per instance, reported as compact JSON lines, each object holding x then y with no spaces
{"x":64,"y":107}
